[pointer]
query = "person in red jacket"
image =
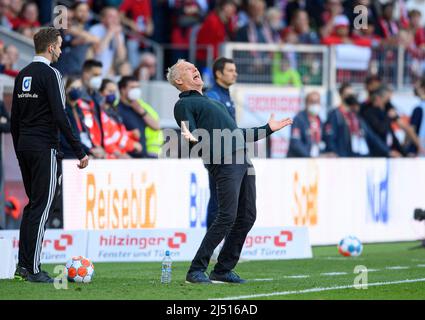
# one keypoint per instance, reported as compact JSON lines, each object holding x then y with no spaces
{"x":218,"y":27}
{"x":341,"y":34}
{"x":117,"y":140}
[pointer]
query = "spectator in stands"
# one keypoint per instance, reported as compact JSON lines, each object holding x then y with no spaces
{"x":372,"y":83}
{"x":185,"y":15}
{"x":219,"y":26}
{"x":257,"y":30}
{"x":138,"y":115}
{"x":117,"y":140}
{"x":417,"y":120}
{"x":388,"y":28}
{"x":147,"y":67}
{"x":73,"y":92}
{"x":306,"y":130}
{"x":123,"y":69}
{"x":76,"y":40}
{"x":312,"y":7}
{"x":341,"y":34}
{"x":27,"y":22}
{"x":300,"y":25}
{"x":380,"y":121}
{"x":137,"y":15}
{"x":15,"y":9}
{"x":418,"y":30}
{"x":274,"y":19}
{"x":346,"y":134}
{"x":89,"y":103}
{"x":8,"y":60}
{"x":111,"y":47}
{"x":4,"y":19}
{"x":367,"y":34}
{"x":332,"y":9}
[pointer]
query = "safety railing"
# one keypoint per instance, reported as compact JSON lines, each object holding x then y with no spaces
{"x":279,"y":64}
{"x":307,"y":65}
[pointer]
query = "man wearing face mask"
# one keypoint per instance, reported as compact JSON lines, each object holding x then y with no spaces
{"x":89,"y":103}
{"x":135,"y":114}
{"x":37,"y":117}
{"x":306,"y":131}
{"x":348,"y":135}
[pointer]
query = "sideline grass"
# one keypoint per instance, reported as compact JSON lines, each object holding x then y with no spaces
{"x":141,"y":280}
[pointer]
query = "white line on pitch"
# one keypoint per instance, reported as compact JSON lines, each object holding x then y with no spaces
{"x":333,"y":274}
{"x":421,"y":265}
{"x":299,"y":276}
{"x":266,"y":279}
{"x":397,"y":268}
{"x":373,"y":270}
{"x":318,"y":289}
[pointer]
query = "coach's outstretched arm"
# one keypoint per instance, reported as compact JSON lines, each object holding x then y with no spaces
{"x":258,"y":133}
{"x":56,"y":97}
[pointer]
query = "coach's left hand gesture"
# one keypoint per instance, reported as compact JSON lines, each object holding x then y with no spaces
{"x":276,"y":125}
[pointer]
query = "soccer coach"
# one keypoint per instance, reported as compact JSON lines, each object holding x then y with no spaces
{"x":38,"y":113}
{"x":236,"y":192}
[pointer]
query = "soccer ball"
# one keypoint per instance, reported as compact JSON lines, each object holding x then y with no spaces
{"x":79,"y":269}
{"x":350,"y":247}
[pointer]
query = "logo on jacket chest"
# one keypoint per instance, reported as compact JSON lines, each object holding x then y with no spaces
{"x":26,"y":84}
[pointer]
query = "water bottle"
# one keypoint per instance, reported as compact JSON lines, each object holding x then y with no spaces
{"x":166,"y":268}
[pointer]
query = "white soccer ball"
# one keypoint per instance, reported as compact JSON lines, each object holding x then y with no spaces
{"x":79,"y":269}
{"x":350,"y":247}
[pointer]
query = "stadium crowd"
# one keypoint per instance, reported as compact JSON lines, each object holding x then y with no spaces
{"x":104,"y":58}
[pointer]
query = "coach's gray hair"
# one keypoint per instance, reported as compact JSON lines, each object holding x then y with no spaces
{"x":172,"y":73}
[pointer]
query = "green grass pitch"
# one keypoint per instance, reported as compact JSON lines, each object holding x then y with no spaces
{"x":396,"y":271}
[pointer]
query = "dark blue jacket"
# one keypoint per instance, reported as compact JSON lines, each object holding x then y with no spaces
{"x":416,"y":120}
{"x":222,"y":95}
{"x":300,"y":142}
{"x":337,"y":137}
{"x":132,"y":121}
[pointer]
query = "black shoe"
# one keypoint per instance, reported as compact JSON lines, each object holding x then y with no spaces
{"x":21,"y":273}
{"x":42,"y":277}
{"x":229,"y":277}
{"x":197,"y":277}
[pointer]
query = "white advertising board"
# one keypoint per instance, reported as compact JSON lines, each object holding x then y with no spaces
{"x":373,"y":199}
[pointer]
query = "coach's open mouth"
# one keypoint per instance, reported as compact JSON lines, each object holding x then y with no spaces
{"x":197,"y":76}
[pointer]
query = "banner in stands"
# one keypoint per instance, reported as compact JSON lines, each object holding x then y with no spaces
{"x":373,"y":199}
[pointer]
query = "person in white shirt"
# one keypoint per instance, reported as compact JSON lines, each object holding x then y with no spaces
{"x":111,"y":48}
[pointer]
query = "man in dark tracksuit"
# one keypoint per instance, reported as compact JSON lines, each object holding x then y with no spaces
{"x":235,"y":179}
{"x":225,"y":75}
{"x":36,"y":118}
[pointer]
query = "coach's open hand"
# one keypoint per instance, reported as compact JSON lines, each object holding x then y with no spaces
{"x":186,"y":133}
{"x":276,"y":125}
{"x":83,"y":162}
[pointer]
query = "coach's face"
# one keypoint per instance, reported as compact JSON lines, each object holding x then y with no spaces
{"x":55,"y":49}
{"x":189,"y":77}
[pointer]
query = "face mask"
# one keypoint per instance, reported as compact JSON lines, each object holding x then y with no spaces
{"x":314,"y":109}
{"x":110,"y":98}
{"x":351,"y":100}
{"x":74,"y":93}
{"x":95,"y":83}
{"x":134,"y":94}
